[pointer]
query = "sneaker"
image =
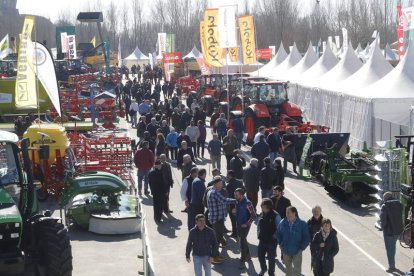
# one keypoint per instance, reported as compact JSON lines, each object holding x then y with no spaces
{"x":262,"y":272}
{"x":391,"y":270}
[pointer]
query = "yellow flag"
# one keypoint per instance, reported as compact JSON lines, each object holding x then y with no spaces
{"x":93,"y":41}
{"x":25,"y":91}
{"x":214,"y":53}
{"x":234,"y":54}
{"x":248,"y":43}
{"x":203,"y":42}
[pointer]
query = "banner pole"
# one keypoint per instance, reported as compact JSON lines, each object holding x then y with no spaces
{"x":228,"y":89}
{"x":36,"y":69}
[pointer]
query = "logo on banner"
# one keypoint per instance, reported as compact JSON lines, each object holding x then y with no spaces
{"x":174,"y":57}
{"x":213,"y":43}
{"x":247,"y":39}
{"x":265,"y":53}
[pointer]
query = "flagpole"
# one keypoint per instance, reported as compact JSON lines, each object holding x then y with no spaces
{"x":228,"y":89}
{"x":36,"y":69}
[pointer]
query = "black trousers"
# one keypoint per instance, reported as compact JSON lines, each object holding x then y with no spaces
{"x":158,"y":205}
{"x":269,"y":249}
{"x":192,"y":211}
{"x":200,"y":148}
{"x":173,"y":152}
{"x":228,"y":158}
{"x":194,"y":148}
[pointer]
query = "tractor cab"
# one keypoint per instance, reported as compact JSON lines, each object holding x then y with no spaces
{"x":8,"y":68}
{"x":212,"y":85}
{"x":270,"y":94}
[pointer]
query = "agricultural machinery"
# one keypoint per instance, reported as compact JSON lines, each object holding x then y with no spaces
{"x":268,"y":105}
{"x":88,"y":176}
{"x":212,"y":91}
{"x":30,"y":241}
{"x":354,"y":176}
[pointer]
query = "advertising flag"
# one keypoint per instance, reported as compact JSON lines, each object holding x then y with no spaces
{"x":45,"y":71}
{"x":400,"y":32}
{"x":345,"y":40}
{"x":26,"y":96}
{"x":234,"y":54}
{"x":93,"y":41}
{"x":119,"y":53}
{"x":338,"y":41}
{"x":205,"y":70}
{"x":407,"y":19}
{"x":214,"y":53}
{"x":64,"y":42}
{"x":71,"y":50}
{"x":5,"y":47}
{"x":227,"y":26}
{"x":248,"y":43}
{"x":162,"y":39}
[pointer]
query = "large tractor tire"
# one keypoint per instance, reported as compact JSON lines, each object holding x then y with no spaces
{"x":54,"y":249}
{"x":251,"y":124}
{"x":208,"y":107}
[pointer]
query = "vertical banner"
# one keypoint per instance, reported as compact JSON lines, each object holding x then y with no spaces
{"x":26,"y":96}
{"x":214,"y":53}
{"x":205,"y":70}
{"x":71,"y":54}
{"x":119,"y":53}
{"x":338,"y":41}
{"x":401,"y":27}
{"x":248,"y":43}
{"x":64,"y":42}
{"x":345,"y":40}
{"x":227,"y":27}
{"x":45,"y":71}
{"x":162,"y":37}
{"x":151,"y":60}
{"x":5,"y":47}
{"x":330,"y":40}
{"x":170,"y":43}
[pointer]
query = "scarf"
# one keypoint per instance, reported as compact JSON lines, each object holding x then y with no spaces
{"x":325,"y":235}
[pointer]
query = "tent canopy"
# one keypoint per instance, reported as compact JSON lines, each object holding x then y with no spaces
{"x":273,"y":63}
{"x":136,"y":55}
{"x":293,"y":58}
{"x":308,"y":60}
{"x":194,"y":53}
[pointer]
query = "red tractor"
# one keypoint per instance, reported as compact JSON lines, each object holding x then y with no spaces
{"x":268,"y":105}
{"x":187,"y":84}
{"x":212,"y":91}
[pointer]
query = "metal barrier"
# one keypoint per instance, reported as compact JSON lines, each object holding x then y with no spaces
{"x":146,"y":267}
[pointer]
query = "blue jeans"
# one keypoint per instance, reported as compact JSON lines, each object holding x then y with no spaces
{"x":267,"y":193}
{"x":273,"y":156}
{"x":143,"y":175}
{"x":134,"y":120}
{"x":200,"y":262}
{"x":390,"y":244}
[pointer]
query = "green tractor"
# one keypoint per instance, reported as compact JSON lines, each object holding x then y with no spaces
{"x":351,"y":176}
{"x":30,"y":241}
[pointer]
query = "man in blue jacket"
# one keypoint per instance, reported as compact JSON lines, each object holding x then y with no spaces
{"x":197,"y":193}
{"x":293,"y":238}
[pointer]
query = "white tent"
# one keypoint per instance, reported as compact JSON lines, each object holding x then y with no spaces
{"x":273,"y":63}
{"x":136,"y":57}
{"x":374,"y":69}
{"x":194,"y":53}
{"x":308,"y":60}
{"x":293,"y":59}
{"x":347,"y":66}
{"x":393,"y":95}
{"x":323,"y":65}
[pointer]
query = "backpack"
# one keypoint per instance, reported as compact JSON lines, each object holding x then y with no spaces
{"x":221,"y":126}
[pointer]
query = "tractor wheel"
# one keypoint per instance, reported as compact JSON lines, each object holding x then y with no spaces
{"x":54,"y":249}
{"x":42,"y":194}
{"x":237,"y":104}
{"x":250,"y":126}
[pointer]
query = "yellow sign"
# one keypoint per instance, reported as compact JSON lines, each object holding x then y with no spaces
{"x":248,"y":43}
{"x":93,"y":41}
{"x":26,"y":96}
{"x":214,"y":53}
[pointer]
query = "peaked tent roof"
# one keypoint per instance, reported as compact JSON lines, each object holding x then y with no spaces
{"x":325,"y":63}
{"x":136,"y":55}
{"x":194,"y":53}
{"x":358,"y":49}
{"x":347,"y":66}
{"x":393,"y":96}
{"x":280,"y":56}
{"x":293,"y":59}
{"x":373,"y":70}
{"x":308,"y":60}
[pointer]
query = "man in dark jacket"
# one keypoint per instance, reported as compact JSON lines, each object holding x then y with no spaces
{"x":392,"y":227}
{"x":237,"y":163}
{"x":324,"y":247}
{"x":269,"y":219}
{"x":229,"y":145}
{"x":183,"y":151}
{"x":156,"y":182}
{"x":275,"y":143}
{"x":251,"y":179}
{"x":268,"y":177}
{"x":202,"y":241}
{"x":197,"y":193}
{"x":280,"y":202}
{"x":143,"y":160}
{"x":238,"y":128}
{"x":183,"y":137}
{"x":231,"y":186}
{"x":147,"y":138}
{"x":289,"y":141}
{"x":141,"y":127}
{"x":315,"y":222}
{"x":152,"y":128}
{"x":260,"y":150}
{"x":168,"y":181}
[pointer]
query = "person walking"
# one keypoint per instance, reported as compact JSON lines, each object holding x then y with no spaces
{"x":275,"y":144}
{"x":141,"y":127}
{"x":293,"y":238}
{"x":231,"y":186}
{"x":267,"y":175}
{"x":289,"y":153}
{"x":201,"y":140}
{"x":245,"y":215}
{"x":260,"y":150}
{"x":324,"y":248}
{"x":229,"y":145}
{"x":202,"y":242}
{"x":260,"y":131}
{"x":186,"y":186}
{"x":172,"y":145}
{"x":183,"y":151}
{"x":280,"y":174}
{"x":168,"y":181}
{"x":187,"y":165}
{"x":217,"y":209}
{"x":315,"y":222}
{"x":221,"y":126}
{"x":280,"y":202}
{"x":193,"y":132}
{"x":392,"y":227}
{"x":237,"y":163}
{"x":197,"y":193}
{"x":133,"y":109}
{"x":158,"y":191}
{"x":214,"y":149}
{"x":267,"y":224}
{"x":238,"y":128}
{"x":161,"y":146}
{"x":251,"y":180}
{"x":143,"y":160}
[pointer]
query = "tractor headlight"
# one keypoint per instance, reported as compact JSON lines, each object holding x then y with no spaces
{"x":14,"y":235}
{"x":1,"y":237}
{"x":16,"y":225}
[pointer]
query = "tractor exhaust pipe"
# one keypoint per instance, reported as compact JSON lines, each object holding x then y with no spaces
{"x":27,"y":165}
